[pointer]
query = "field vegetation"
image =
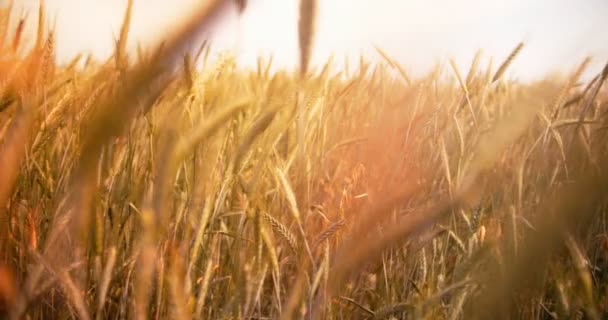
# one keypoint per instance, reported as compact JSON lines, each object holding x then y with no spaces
{"x":164,"y":186}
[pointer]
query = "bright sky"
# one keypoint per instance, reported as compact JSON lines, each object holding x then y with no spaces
{"x":417,"y":33}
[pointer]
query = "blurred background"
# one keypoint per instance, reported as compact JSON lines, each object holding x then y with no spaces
{"x":417,"y":33}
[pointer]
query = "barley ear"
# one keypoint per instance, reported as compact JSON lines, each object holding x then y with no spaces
{"x":503,"y":67}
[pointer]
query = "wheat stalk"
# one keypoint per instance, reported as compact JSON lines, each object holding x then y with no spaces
{"x":306,"y":31}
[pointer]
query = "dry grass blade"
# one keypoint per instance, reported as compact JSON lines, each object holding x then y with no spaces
{"x":358,"y":305}
{"x":105,"y":281}
{"x":272,"y":257}
{"x":385,"y":56}
{"x":202,"y":226}
{"x":465,"y":90}
{"x":204,"y":287}
{"x":75,"y":295}
{"x":395,"y":65}
{"x":289,"y":195}
{"x":474,"y":68}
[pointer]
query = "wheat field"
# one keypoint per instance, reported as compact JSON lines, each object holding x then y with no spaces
{"x":148,"y":188}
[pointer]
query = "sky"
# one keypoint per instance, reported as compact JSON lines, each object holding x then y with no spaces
{"x":417,"y":33}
